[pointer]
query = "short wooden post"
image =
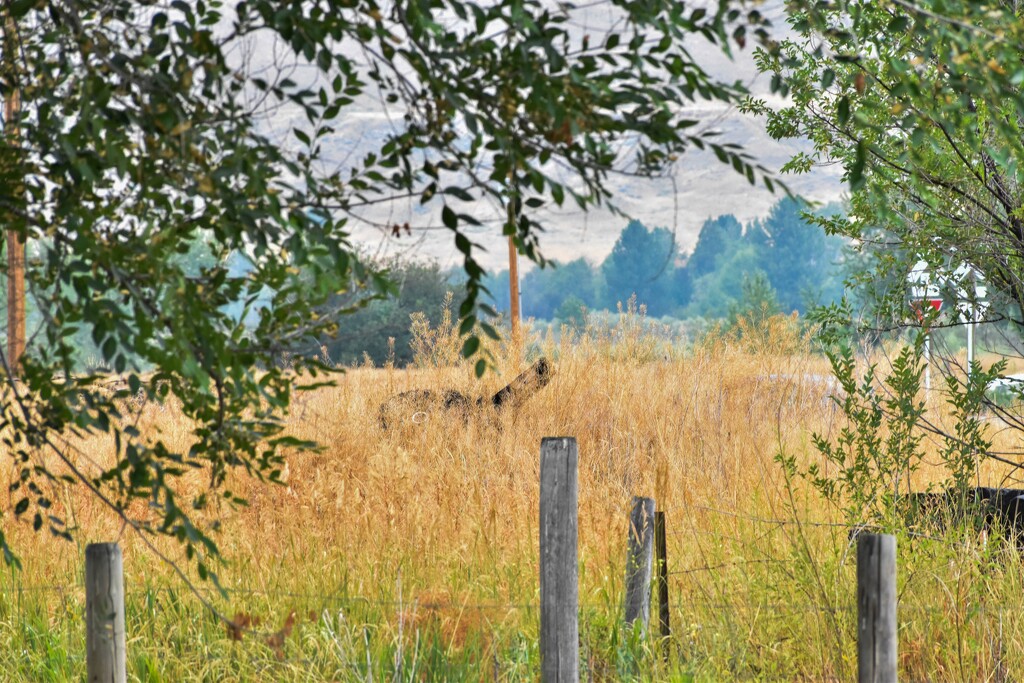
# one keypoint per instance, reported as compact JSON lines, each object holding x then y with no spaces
{"x":876,"y":608}
{"x":661,"y":552}
{"x":639,"y":561}
{"x":559,"y":571}
{"x":105,"y":659}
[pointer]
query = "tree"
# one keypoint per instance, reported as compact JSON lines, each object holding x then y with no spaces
{"x":758,"y":301}
{"x":715,"y":238}
{"x":921,"y":103}
{"x":642,"y":262}
{"x":545,"y":289}
{"x":141,"y":126}
{"x":715,"y":292}
{"x":788,"y":250}
{"x":381,"y":329}
{"x":798,"y":257}
{"x":572,"y":312}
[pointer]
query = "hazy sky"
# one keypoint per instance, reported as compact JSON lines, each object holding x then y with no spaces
{"x":701,"y":186}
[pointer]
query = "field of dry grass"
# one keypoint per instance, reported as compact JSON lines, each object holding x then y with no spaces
{"x":411,"y":553}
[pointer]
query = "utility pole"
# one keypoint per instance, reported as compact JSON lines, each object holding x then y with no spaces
{"x":513,"y":264}
{"x":15,"y":241}
{"x":513,"y":285}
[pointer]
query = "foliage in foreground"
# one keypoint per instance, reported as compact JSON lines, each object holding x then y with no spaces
{"x":143,"y":130}
{"x":921,"y":103}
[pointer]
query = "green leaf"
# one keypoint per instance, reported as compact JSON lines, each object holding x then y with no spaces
{"x":448,"y":217}
{"x":857,"y":169}
{"x":843,"y":110}
{"x":470,"y":346}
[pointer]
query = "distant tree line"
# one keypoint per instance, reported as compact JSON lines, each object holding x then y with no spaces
{"x":784,"y":260}
{"x":782,"y":263}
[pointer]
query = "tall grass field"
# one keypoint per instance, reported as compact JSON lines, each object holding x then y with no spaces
{"x":411,"y":554}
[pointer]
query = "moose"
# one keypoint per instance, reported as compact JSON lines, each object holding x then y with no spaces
{"x":409,"y":404}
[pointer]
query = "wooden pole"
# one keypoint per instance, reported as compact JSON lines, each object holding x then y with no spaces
{"x":15,"y":242}
{"x":639,"y":561}
{"x":559,"y":570}
{"x":105,"y":659}
{"x":661,"y":552}
{"x":876,"y":608}
{"x":513,"y":273}
{"x":513,"y":286}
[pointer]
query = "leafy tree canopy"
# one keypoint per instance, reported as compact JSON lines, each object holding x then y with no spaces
{"x":716,"y":236}
{"x":642,"y":262}
{"x":787,"y":252}
{"x":545,"y":289}
{"x":800,"y":260}
{"x":921,"y":103}
{"x":142,"y":125}
{"x":381,"y":329}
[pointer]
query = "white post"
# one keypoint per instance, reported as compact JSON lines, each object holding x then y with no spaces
{"x":970,"y":344}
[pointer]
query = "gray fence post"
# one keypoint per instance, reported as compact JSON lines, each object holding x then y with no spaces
{"x":559,"y":569}
{"x":639,"y":561}
{"x":876,"y":608}
{"x":661,"y":553}
{"x":105,"y":659}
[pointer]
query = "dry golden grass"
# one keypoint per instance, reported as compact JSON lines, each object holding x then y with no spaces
{"x":436,"y":523}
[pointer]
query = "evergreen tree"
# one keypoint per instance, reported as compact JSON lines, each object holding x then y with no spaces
{"x":717,"y":235}
{"x":545,"y":289}
{"x":642,"y":262}
{"x":801,"y":261}
{"x":757,"y":301}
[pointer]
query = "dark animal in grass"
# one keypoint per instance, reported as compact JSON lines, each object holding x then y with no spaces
{"x":420,"y":404}
{"x":984,"y":507}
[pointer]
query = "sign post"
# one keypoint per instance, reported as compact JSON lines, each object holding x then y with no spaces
{"x":924,"y":293}
{"x":965,"y":284}
{"x":972,"y":302}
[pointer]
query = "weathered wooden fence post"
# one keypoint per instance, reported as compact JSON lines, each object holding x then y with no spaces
{"x":876,"y":608}
{"x":559,"y":569}
{"x":105,"y":659}
{"x":639,"y":561}
{"x":661,"y":553}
